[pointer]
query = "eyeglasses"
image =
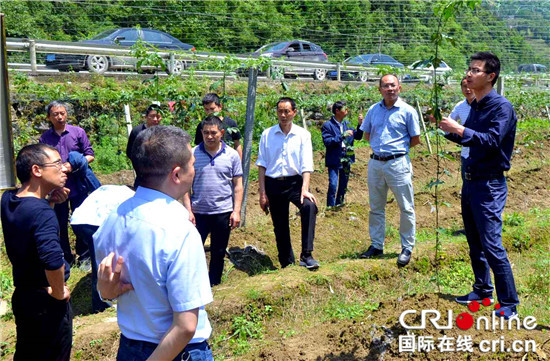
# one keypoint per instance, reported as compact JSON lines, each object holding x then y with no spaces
{"x":388,"y":86}
{"x":58,"y":164}
{"x":475,"y":71}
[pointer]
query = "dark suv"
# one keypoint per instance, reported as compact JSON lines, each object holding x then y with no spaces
{"x":295,"y":50}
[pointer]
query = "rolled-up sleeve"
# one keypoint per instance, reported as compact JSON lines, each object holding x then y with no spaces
{"x":85,"y":146}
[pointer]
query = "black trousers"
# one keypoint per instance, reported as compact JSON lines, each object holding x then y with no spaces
{"x":44,"y":326}
{"x":217,"y":225}
{"x":280,"y":193}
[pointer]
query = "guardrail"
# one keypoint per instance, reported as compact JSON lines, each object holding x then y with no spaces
{"x":58,"y":47}
{"x":280,"y":66}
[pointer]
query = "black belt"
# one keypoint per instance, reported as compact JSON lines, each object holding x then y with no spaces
{"x":482,"y":176}
{"x":292,"y":177}
{"x":383,"y":159}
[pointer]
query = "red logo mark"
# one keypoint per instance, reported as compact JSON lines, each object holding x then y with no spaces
{"x":473,"y":306}
{"x":464,"y":321}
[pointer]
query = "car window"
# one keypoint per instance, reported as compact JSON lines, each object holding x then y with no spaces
{"x":104,"y":34}
{"x":374,"y":59}
{"x":154,"y":37}
{"x":306,"y":47}
{"x":129,"y":35}
{"x":295,"y":46}
{"x":387,"y":59}
{"x":356,"y":60}
{"x":272,"y":47}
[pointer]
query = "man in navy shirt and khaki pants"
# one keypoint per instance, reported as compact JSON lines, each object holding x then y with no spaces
{"x":40,"y":302}
{"x":489,"y":131}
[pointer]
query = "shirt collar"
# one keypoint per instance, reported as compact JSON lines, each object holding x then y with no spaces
{"x":398,"y":103}
{"x":485,"y":100}
{"x":150,"y":194}
{"x":203,"y":149}
{"x":279,"y":130}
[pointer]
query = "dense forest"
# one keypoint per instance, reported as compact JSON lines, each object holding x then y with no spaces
{"x":400,"y":28}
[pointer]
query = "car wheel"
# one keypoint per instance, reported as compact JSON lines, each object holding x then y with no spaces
{"x":363,"y":76}
{"x":177,"y":67}
{"x":97,"y":64}
{"x":320,"y":74}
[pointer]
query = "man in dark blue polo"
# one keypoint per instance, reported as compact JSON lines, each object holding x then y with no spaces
{"x":489,"y":132}
{"x":338,"y":136}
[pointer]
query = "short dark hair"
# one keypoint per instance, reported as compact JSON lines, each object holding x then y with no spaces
{"x":152,"y":107}
{"x":55,"y":104}
{"x":380,"y":81}
{"x":157,"y":150}
{"x":492,"y":63}
{"x":29,"y":156}
{"x":212,"y":120}
{"x":211,"y":98}
{"x":287,"y":99}
{"x":338,"y":106}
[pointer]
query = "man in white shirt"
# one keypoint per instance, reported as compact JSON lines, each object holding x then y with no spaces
{"x":462,"y":109}
{"x":285,"y":164}
{"x":163,"y":315}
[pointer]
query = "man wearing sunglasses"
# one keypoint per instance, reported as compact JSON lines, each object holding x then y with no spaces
{"x":489,"y":132}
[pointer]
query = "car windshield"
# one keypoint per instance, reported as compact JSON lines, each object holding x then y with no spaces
{"x":104,"y":34}
{"x":272,"y":47}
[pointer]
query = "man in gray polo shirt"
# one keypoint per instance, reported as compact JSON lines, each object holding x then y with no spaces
{"x":218,"y":174}
{"x":391,"y":126}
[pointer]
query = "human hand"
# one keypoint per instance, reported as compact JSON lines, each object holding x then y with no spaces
{"x":264,"y":203}
{"x":449,"y":125}
{"x":192,"y":219}
{"x":308,"y":195}
{"x":65,"y":295}
{"x":348,"y":133}
{"x":59,"y":195}
{"x":109,"y":284}
{"x":235,"y":219}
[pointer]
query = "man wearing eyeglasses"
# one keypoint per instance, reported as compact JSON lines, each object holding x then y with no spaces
{"x":285,"y":164}
{"x":40,"y":302}
{"x":489,"y":132}
{"x":76,"y":153}
{"x":211,"y":205}
{"x":391,"y":126}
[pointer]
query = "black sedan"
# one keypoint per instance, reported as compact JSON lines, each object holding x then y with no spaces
{"x":124,"y":37}
{"x":367,"y":60}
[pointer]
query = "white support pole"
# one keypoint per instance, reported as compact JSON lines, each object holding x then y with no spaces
{"x":128,"y":117}
{"x":424,"y":127}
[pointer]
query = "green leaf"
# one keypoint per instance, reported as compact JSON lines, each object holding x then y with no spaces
{"x":285,"y":86}
{"x":214,"y":86}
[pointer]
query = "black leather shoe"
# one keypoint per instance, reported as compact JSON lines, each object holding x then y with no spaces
{"x":404,"y":258}
{"x":371,"y":252}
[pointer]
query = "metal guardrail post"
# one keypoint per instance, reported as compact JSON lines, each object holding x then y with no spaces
{"x":268,"y":73}
{"x":338,"y":72}
{"x":32,"y":54}
{"x":171,"y":63}
{"x":500,"y":86}
{"x":7,"y":152}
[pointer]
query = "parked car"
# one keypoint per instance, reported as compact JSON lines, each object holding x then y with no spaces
{"x":418,"y":65}
{"x":293,"y":50}
{"x":367,"y":60}
{"x":124,"y":37}
{"x":532,"y":68}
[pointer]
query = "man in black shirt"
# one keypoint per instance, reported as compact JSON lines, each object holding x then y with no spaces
{"x":232,"y":137}
{"x":153,"y":117}
{"x":40,"y":302}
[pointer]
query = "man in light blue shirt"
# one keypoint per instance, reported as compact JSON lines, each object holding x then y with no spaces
{"x":163,"y":316}
{"x":391,"y":126}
